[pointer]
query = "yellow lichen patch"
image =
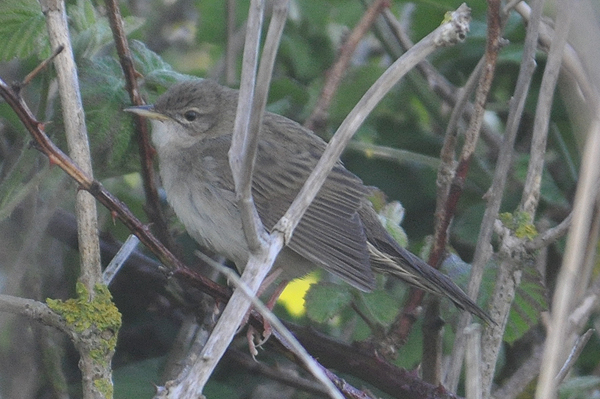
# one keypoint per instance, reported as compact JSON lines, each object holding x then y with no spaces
{"x":104,"y":386}
{"x":520,"y":223}
{"x":82,"y":313}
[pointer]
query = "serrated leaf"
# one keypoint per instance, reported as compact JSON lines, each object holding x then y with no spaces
{"x":110,"y":129}
{"x":530,"y":300}
{"x":92,"y":30}
{"x":381,"y":305}
{"x":325,"y":300}
{"x":157,"y":73}
{"x":22,"y":30}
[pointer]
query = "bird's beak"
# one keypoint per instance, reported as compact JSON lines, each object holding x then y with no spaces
{"x":147,"y":111}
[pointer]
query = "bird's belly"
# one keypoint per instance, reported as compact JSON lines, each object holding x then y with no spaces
{"x":210,"y":216}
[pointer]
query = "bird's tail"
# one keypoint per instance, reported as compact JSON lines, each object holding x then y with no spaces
{"x":413,"y":270}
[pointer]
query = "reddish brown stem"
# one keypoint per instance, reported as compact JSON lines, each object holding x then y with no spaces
{"x":116,"y":207}
{"x":153,"y":209}
{"x":336,"y":73}
{"x":403,"y":324}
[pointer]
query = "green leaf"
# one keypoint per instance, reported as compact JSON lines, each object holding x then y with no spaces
{"x":92,"y":30}
{"x":381,"y":305}
{"x":110,"y":129}
{"x":158,"y":74}
{"x":325,"y":300}
{"x":22,"y":30}
{"x":137,"y":379}
{"x":579,"y":387}
{"x":530,"y":300}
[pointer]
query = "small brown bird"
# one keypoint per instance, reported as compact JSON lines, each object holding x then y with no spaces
{"x":192,"y":124}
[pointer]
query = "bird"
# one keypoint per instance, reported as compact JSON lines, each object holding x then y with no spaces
{"x":192,"y":125}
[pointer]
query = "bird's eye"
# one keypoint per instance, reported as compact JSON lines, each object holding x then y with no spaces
{"x":190,"y":116}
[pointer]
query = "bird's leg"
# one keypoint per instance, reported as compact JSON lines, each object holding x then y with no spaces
{"x":254,"y":339}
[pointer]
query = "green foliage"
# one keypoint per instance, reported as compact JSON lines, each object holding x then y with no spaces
{"x":325,"y":300}
{"x":531,"y":299}
{"x":381,"y":306}
{"x":136,"y":380}
{"x":23,"y":30}
{"x":580,"y":388}
{"x":92,"y":30}
{"x":158,"y":75}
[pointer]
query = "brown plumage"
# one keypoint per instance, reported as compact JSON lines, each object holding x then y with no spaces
{"x":340,"y":232}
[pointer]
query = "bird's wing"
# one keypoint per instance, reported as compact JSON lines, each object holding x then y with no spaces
{"x":331,"y":233}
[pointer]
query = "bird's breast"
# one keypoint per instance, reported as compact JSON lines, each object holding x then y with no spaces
{"x":208,"y":212}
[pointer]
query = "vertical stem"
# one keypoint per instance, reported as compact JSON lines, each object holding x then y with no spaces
{"x":558,"y":340}
{"x":74,"y":119}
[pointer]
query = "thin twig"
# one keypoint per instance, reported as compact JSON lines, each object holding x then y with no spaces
{"x":230,"y":51}
{"x":34,"y":310}
{"x":118,"y":208}
{"x":120,"y":258}
{"x":244,"y":140}
{"x":550,"y":236}
{"x":314,"y":368}
{"x":531,"y":190}
{"x":574,"y":355}
{"x":445,"y":176}
{"x":276,"y":374}
{"x":473,"y":362}
{"x":334,"y":76}
{"x":397,"y":155}
{"x":42,"y":65}
{"x":153,"y":208}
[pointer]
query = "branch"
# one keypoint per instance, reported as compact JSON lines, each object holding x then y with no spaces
{"x":34,"y":310}
{"x":495,"y":193}
{"x":153,"y":209}
{"x":558,"y":338}
{"x":334,"y":75}
{"x":76,"y":132}
{"x":244,"y":140}
{"x":533,"y":182}
{"x":94,"y":368}
{"x":114,"y":205}
{"x":447,"y":34}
